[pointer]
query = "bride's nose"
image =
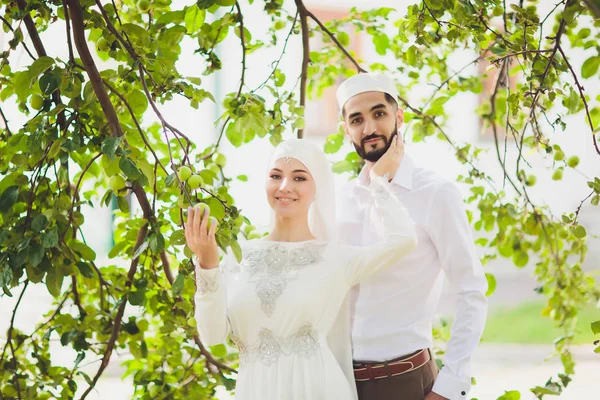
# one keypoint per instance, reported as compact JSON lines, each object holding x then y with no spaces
{"x":285,"y":186}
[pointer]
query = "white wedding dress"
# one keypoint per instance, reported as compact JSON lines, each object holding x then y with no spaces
{"x":284,"y":306}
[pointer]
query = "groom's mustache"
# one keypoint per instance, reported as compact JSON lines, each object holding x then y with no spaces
{"x":371,"y":137}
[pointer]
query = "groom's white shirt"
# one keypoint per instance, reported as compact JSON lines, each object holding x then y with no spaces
{"x":393,"y":311}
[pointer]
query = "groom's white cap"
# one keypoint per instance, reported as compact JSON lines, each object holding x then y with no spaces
{"x":366,"y":82}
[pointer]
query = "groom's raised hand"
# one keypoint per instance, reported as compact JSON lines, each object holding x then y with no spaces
{"x":389,"y":163}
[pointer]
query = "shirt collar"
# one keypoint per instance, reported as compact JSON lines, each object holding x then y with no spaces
{"x":403,"y":177}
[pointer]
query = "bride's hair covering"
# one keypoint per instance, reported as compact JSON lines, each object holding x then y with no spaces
{"x":321,"y":215}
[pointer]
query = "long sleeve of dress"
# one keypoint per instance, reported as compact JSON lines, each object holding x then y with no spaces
{"x":211,"y":304}
{"x":394,"y":227}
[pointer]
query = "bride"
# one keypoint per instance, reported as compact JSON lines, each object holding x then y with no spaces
{"x":283,"y":305}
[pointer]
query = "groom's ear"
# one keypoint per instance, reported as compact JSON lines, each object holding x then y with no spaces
{"x":400,"y":117}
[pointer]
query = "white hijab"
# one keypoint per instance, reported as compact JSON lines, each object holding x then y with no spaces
{"x":321,"y":214}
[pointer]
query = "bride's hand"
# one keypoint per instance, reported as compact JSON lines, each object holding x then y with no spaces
{"x":200,"y":237}
{"x":390,"y":161}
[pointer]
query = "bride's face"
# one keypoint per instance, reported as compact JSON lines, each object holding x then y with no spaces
{"x":290,"y":188}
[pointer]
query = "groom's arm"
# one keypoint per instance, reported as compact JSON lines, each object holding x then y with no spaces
{"x":451,"y":235}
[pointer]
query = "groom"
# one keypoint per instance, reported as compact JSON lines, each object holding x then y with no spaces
{"x":393,"y":312}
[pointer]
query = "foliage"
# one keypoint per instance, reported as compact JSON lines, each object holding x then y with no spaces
{"x":88,"y":120}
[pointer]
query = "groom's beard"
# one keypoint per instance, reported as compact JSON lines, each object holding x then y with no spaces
{"x":374,"y":155}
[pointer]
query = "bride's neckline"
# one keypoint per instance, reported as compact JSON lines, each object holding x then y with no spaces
{"x":288,"y":242}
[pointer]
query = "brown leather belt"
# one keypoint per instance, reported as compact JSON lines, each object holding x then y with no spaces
{"x":370,"y":371}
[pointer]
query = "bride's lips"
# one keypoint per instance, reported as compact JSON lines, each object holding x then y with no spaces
{"x":286,"y":200}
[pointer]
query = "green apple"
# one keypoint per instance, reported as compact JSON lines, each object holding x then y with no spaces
{"x":103,"y":45}
{"x":225,"y":3}
{"x":531,"y":180}
{"x":202,"y":207}
{"x":238,"y":221}
{"x":37,"y":102}
{"x":559,"y":155}
{"x":557,"y":175}
{"x":143,"y":5}
{"x":183,"y":173}
{"x":212,"y":220}
{"x":116,"y":183}
{"x":195,"y":181}
{"x":215,"y":168}
{"x":573,"y":161}
{"x":220,"y":160}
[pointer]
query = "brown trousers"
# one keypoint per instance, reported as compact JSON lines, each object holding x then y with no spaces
{"x":413,"y":385}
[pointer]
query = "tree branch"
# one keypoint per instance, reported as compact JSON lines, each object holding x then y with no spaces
{"x":332,"y":36}
{"x":242,"y":39}
{"x":137,"y":124}
{"x":90,"y":67}
{"x":39,"y":48}
{"x":5,"y":122}
{"x":580,"y":88}
{"x":68,"y":25}
{"x":119,"y":316}
{"x":22,"y":42}
{"x":305,"y":57}
{"x":282,"y":53}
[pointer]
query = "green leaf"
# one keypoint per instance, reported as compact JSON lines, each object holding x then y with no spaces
{"x":579,"y":232}
{"x":234,"y":133}
{"x":333,"y":143}
{"x":39,"y":223}
{"x":48,"y":84}
{"x":138,"y":101}
{"x":491,"y":280}
{"x":85,"y":269}
{"x":110,"y":145}
{"x":171,"y":17}
{"x":50,"y":238}
{"x":573,"y":101}
{"x":343,"y":38}
{"x":129,"y":168}
{"x":218,"y":350}
{"x":140,"y":250}
{"x":237,"y":250}
{"x":242,"y":178}
{"x":8,"y":198}
{"x":178,"y":237}
{"x":178,"y":284}
{"x":596,"y":327}
{"x":137,"y":297}
{"x":123,"y":204}
{"x":512,"y":395}
{"x":34,"y":274}
{"x":595,"y":200}
{"x":54,"y":280}
{"x":590,"y":67}
{"x":35,"y":253}
{"x":83,"y":250}
{"x":40,"y":65}
{"x":382,"y":44}
{"x":157,"y":242}
{"x":194,"y":18}
{"x":520,"y":258}
{"x":204,"y":4}
{"x":342,"y":166}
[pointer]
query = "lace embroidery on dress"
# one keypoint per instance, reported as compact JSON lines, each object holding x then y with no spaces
{"x":271,"y":268}
{"x":269,"y":347}
{"x":206,"y":283}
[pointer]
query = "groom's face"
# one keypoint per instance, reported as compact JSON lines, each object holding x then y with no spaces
{"x":371,"y":120}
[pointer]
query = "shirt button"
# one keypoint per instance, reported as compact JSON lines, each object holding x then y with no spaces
{"x":463,"y":393}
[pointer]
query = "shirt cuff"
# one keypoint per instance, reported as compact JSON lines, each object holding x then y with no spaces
{"x":207,"y":280}
{"x":451,"y":387}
